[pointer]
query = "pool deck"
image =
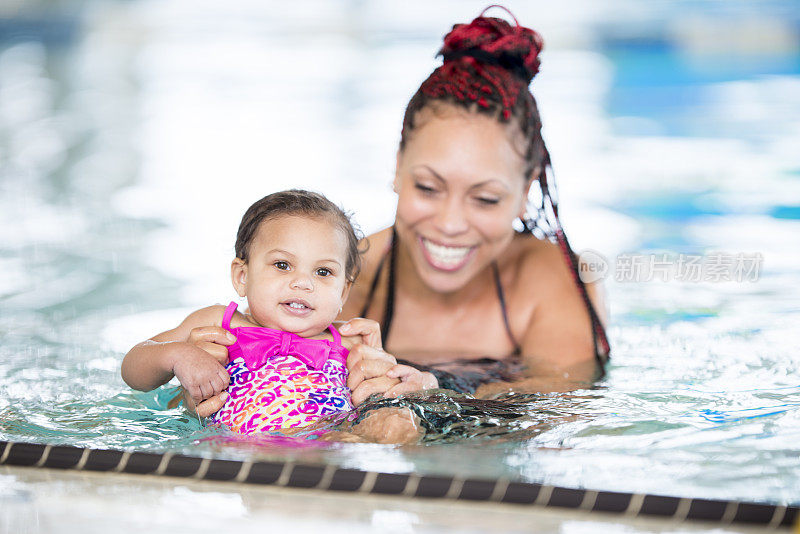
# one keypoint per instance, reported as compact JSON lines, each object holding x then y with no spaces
{"x":41,"y":500}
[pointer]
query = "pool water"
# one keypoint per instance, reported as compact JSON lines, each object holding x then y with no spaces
{"x":125,"y":163}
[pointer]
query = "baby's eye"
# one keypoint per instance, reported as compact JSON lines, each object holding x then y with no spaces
{"x":282,"y":265}
{"x":322,"y":271}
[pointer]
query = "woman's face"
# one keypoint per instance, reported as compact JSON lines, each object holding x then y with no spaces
{"x":460,"y":185}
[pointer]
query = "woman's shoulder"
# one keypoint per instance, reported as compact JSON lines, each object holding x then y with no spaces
{"x":545,"y":270}
{"x":375,"y":247}
{"x":537,"y":275}
{"x":537,"y":259}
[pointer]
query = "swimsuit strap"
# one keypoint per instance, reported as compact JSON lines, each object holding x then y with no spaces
{"x":388,"y":308}
{"x":337,"y":337}
{"x":226,"y":318}
{"x":372,"y":287}
{"x":501,"y":296}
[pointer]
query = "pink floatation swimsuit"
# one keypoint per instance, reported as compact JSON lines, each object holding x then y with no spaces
{"x":281,"y":380}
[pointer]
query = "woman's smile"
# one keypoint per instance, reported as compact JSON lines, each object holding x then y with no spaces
{"x":446,"y":257}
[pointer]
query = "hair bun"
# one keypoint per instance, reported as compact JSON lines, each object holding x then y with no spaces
{"x":494,"y":41}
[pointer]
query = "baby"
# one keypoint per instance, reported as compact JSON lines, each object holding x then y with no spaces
{"x":296,"y":259}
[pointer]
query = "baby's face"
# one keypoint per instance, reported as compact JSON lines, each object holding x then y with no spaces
{"x":294,"y":279}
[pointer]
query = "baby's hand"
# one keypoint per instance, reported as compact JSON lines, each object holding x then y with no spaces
{"x":199,"y":362}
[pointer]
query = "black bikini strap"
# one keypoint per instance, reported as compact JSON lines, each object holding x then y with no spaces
{"x":501,"y":296}
{"x":388,"y":310}
{"x":373,"y":287}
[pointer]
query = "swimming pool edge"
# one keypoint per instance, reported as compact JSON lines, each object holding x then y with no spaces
{"x":332,"y":478}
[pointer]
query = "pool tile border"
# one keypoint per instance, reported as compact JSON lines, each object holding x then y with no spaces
{"x":331,"y":478}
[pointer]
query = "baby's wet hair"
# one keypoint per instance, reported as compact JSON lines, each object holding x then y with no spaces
{"x":302,"y":203}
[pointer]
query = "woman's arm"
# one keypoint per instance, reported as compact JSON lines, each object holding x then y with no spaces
{"x":193,"y":352}
{"x":372,"y":370}
{"x":375,"y":371}
{"x":557,"y":345}
{"x":558,"y":349}
{"x":558,"y":336}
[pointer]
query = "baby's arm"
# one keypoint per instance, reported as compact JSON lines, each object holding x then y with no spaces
{"x":194,"y":352}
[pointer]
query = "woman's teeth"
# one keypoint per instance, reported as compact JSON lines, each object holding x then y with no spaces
{"x":445,"y":256}
{"x":297,"y":305}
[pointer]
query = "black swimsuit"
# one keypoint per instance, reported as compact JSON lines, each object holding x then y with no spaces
{"x":460,"y":375}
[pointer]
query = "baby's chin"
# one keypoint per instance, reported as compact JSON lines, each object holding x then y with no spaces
{"x":303,"y":328}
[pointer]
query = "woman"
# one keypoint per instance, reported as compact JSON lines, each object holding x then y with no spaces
{"x":465,"y":300}
{"x":453,"y":285}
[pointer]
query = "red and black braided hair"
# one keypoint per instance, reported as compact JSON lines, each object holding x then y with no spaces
{"x":488,"y":67}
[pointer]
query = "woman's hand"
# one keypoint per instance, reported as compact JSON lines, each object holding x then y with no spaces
{"x":371,"y":370}
{"x":367,"y":367}
{"x":411,"y":379}
{"x":199,"y":364}
{"x":206,"y":408}
{"x":367,"y":363}
{"x":369,"y":330}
